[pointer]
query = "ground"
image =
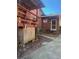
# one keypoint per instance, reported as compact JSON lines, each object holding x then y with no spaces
{"x":49,"y":49}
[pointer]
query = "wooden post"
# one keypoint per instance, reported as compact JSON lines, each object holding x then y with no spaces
{"x":36,"y":31}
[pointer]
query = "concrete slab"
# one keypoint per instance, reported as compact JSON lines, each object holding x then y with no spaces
{"x":52,"y":50}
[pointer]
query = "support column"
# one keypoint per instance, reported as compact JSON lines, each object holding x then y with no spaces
{"x":36,"y":28}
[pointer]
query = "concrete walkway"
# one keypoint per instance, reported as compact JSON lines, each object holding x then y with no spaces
{"x":49,"y":37}
{"x":51,"y":50}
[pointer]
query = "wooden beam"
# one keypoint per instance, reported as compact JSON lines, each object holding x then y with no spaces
{"x":28,"y":10}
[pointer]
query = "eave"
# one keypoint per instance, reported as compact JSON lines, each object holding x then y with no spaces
{"x":31,"y":4}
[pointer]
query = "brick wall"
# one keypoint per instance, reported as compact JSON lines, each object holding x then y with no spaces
{"x":46,"y":26}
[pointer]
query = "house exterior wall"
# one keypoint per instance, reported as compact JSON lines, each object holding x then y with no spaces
{"x":29,"y":30}
{"x":39,"y":21}
{"x":46,"y":25}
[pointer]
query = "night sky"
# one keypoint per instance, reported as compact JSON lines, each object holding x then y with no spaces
{"x":51,"y":7}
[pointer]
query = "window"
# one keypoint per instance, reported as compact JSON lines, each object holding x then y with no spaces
{"x":53,"y":25}
{"x":45,"y":21}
